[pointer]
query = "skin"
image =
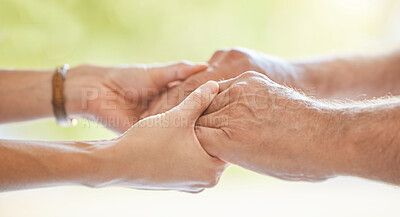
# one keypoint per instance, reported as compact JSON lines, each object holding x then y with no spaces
{"x":173,"y":160}
{"x":314,"y":140}
{"x":341,"y":150}
{"x":274,"y":130}
{"x":353,"y":77}
{"x":113,"y":96}
{"x":224,"y":64}
{"x":349,"y":77}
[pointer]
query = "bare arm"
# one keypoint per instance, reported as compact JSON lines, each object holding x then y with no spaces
{"x":353,"y":77}
{"x":108,"y":95}
{"x":174,"y":160}
{"x":25,"y":95}
{"x":367,"y":136}
{"x":32,"y":164}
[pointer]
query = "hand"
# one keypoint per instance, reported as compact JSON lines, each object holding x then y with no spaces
{"x":226,"y":64}
{"x":162,"y":152}
{"x":271,"y":129}
{"x":116,"y":97}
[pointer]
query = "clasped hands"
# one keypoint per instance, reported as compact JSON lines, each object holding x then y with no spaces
{"x":191,"y":129}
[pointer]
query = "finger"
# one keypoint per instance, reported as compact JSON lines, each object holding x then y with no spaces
{"x":166,"y":101}
{"x":187,"y":69}
{"x":163,"y":75}
{"x":212,"y":140}
{"x":181,"y":71}
{"x":216,"y":119}
{"x":219,"y":102}
{"x":225,"y":84}
{"x":217,"y":114}
{"x":245,"y":76}
{"x":117,"y":120}
{"x":198,"y":101}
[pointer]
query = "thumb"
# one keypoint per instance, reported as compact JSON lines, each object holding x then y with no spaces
{"x":212,"y":140}
{"x":162,"y":76}
{"x":198,"y":101}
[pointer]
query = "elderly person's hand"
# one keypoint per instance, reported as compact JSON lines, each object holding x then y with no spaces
{"x":226,"y":64}
{"x":271,"y":129}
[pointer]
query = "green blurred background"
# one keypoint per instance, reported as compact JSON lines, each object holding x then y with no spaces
{"x":46,"y":33}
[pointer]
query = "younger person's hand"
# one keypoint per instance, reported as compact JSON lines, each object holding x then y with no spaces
{"x":162,"y":152}
{"x":117,"y":96}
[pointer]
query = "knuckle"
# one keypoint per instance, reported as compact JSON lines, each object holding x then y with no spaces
{"x":235,"y":89}
{"x":252,"y":79}
{"x":249,"y":74}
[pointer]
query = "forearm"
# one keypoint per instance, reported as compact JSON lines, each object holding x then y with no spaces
{"x":30,"y":164}
{"x":368,"y":141}
{"x":350,"y":77}
{"x":25,"y":95}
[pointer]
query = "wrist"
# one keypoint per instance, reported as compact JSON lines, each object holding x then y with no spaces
{"x":122,"y":163}
{"x":99,"y":166}
{"x":348,"y":143}
{"x":74,"y":162}
{"x":82,"y":85}
{"x":324,"y":131}
{"x":340,"y":153}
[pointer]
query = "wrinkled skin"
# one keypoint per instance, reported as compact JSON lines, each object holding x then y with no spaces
{"x":225,"y":64}
{"x":268,"y":128}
